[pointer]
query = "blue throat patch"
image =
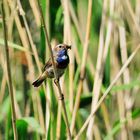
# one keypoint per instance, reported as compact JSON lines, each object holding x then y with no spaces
{"x":62,"y":53}
{"x":62,"y":59}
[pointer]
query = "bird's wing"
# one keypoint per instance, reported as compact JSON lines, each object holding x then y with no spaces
{"x":49,"y":64}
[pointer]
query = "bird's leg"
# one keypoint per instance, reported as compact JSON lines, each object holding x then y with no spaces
{"x":61,"y":97}
{"x":56,"y":81}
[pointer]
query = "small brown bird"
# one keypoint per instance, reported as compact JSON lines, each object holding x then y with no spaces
{"x":61,"y":59}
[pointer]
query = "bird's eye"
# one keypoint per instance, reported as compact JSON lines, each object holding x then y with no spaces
{"x":60,"y":46}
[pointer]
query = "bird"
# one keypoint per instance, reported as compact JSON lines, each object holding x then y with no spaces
{"x":61,"y":61}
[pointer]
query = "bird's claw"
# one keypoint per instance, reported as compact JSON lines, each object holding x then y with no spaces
{"x":61,"y":97}
{"x":56,"y":81}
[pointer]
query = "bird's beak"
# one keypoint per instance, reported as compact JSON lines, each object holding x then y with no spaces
{"x":68,"y":47}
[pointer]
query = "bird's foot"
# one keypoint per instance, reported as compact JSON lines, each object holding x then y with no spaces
{"x":61,"y":97}
{"x":56,"y":81}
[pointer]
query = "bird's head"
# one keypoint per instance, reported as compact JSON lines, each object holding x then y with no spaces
{"x":61,"y":48}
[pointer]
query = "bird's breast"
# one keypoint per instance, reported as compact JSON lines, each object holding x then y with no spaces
{"x":50,"y":72}
{"x":63,"y":61}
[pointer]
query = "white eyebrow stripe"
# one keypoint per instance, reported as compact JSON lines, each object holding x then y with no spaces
{"x":64,"y":57}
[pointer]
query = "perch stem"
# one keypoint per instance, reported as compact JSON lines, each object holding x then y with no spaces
{"x":55,"y":72}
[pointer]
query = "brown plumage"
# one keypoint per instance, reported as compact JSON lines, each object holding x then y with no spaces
{"x":39,"y":81}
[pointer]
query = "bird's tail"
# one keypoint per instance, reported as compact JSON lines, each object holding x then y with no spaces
{"x":39,"y":81}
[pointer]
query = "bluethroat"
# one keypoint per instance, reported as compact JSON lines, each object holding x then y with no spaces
{"x":61,"y":58}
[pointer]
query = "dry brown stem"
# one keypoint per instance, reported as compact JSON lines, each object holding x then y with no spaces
{"x":9,"y":74}
{"x":55,"y":72}
{"x":107,"y":91}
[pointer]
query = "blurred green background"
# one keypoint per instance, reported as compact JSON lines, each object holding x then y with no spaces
{"x":103,"y":34}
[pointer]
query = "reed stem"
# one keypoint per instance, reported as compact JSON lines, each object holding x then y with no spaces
{"x":9,"y":73}
{"x":83,"y":65}
{"x":55,"y":72}
{"x":107,"y":91}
